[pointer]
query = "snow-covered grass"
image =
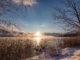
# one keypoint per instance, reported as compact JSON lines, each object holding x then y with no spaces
{"x":66,"y":54}
{"x":13,"y":49}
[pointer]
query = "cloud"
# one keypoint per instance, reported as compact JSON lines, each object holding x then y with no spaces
{"x":26,"y":2}
{"x":43,"y":25}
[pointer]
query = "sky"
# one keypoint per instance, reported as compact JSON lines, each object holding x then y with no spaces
{"x":34,"y":15}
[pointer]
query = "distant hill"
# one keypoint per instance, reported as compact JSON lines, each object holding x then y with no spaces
{"x":69,"y":34}
{"x":53,"y":34}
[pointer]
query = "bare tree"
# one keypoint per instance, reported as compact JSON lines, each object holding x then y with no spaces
{"x":8,"y":6}
{"x":69,"y":13}
{"x":4,"y":4}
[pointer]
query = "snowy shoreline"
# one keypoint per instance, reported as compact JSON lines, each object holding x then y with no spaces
{"x":66,"y":54}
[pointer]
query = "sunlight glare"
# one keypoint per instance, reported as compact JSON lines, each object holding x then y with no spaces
{"x":38,"y":37}
{"x":38,"y":33}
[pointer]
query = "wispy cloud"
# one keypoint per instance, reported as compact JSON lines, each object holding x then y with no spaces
{"x":42,"y":25}
{"x":26,"y":2}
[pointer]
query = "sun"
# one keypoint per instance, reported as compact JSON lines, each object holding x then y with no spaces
{"x":38,"y":33}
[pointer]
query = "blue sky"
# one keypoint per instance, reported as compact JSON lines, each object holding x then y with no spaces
{"x":36,"y":17}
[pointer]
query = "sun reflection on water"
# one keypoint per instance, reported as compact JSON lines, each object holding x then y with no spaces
{"x":38,"y":38}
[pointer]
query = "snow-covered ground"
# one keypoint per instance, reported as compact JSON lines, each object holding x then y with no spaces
{"x":66,"y":54}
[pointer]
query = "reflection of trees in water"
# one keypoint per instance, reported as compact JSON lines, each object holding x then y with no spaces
{"x":50,"y":47}
{"x":54,"y":43}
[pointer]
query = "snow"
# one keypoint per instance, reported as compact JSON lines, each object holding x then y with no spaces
{"x":66,"y":54}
